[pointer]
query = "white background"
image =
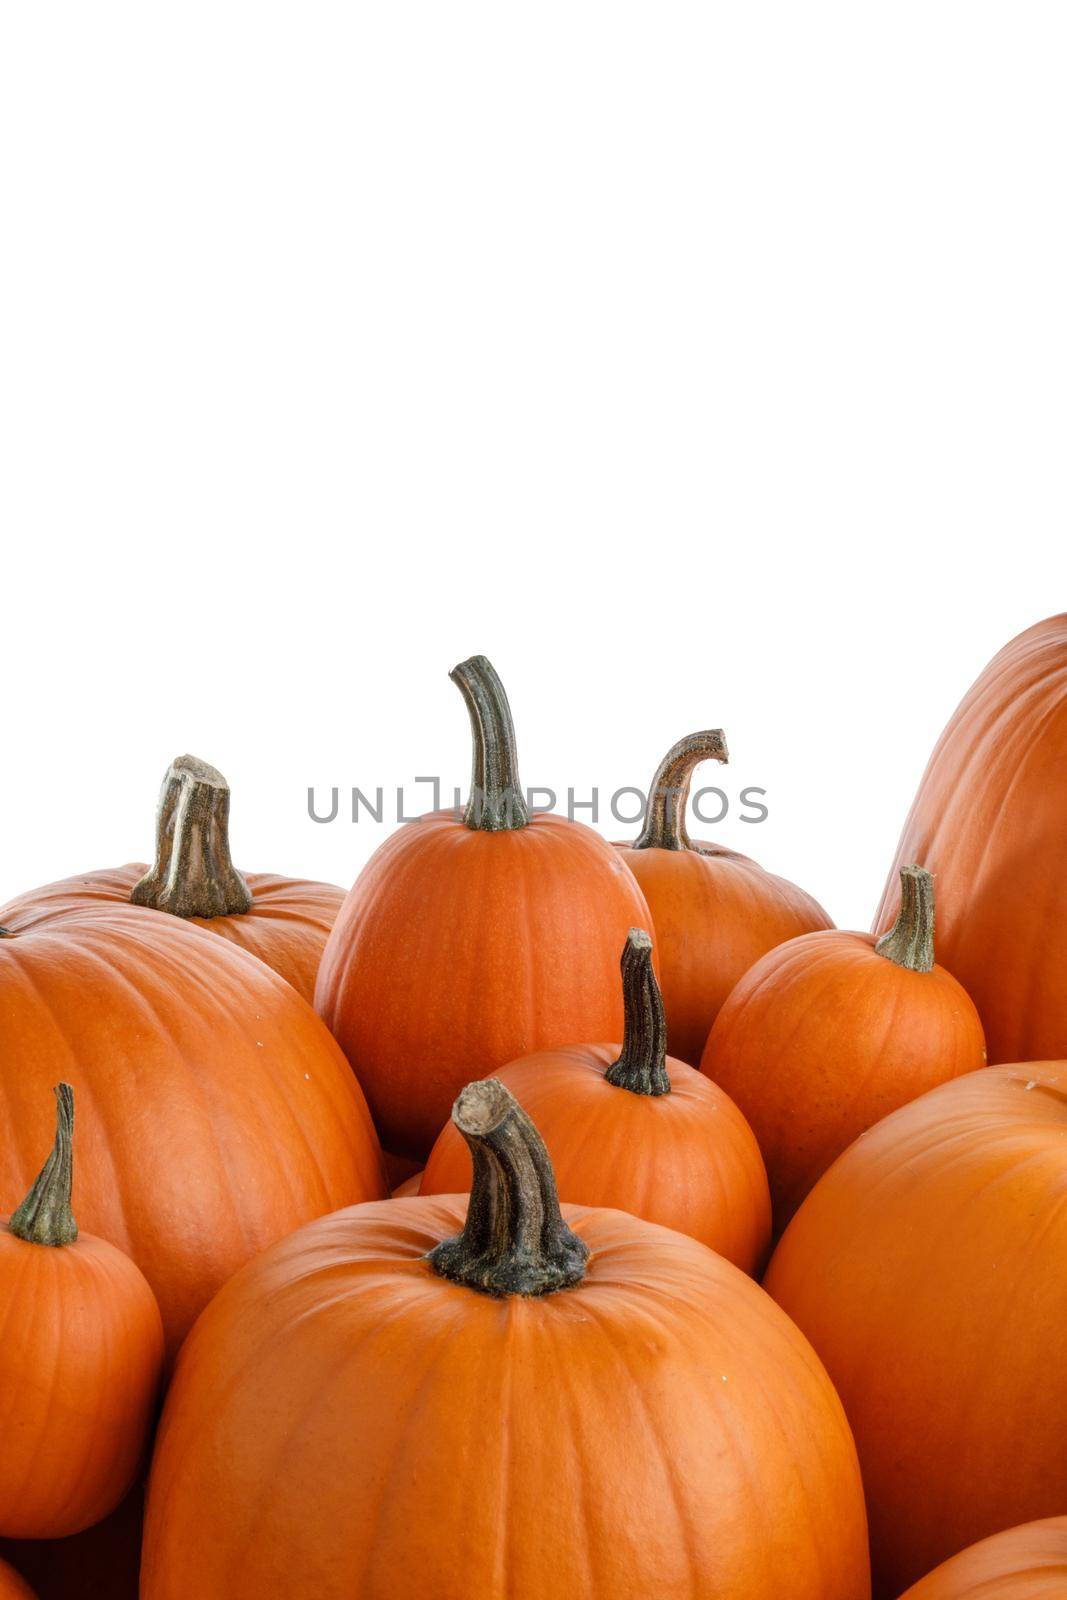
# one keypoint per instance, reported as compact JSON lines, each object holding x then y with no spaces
{"x":701,"y":364}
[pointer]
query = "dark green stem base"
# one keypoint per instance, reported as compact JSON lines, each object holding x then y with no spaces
{"x":496,"y":800}
{"x":193,"y":875}
{"x":910,"y":941}
{"x":515,"y":1240}
{"x":664,"y":827}
{"x":45,"y":1217}
{"x":642,"y":1066}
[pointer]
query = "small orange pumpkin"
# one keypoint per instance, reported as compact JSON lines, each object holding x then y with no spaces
{"x":466,"y":942}
{"x":715,"y":911}
{"x":283,"y":921}
{"x":830,"y":1032}
{"x":1027,"y":1563}
{"x":637,"y":1130}
{"x":927,"y":1269}
{"x":80,"y":1360}
{"x":523,"y":1404}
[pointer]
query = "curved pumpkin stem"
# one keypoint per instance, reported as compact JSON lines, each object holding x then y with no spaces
{"x":193,"y":875}
{"x":664,"y":827}
{"x":496,"y":800}
{"x":642,"y":1066}
{"x":910,"y":941}
{"x":45,"y":1217}
{"x":515,"y":1240}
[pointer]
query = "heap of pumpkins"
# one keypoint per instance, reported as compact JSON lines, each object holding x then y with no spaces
{"x":612,"y":1088}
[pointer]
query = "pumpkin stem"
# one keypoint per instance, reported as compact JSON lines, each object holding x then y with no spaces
{"x":642,"y":1066}
{"x":910,"y":941}
{"x":193,"y":875}
{"x":514,"y":1240}
{"x":45,"y":1217}
{"x":496,"y":800}
{"x":668,"y":797}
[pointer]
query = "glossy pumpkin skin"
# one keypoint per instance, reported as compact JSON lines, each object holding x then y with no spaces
{"x":216,"y":1114}
{"x":687,"y":1160}
{"x":823,"y":1038}
{"x":80,"y":1362}
{"x":715,"y":913}
{"x":287,"y":927}
{"x":990,"y":820}
{"x":926,"y":1268}
{"x":458,"y":950}
{"x":343,"y":1421}
{"x":1028,"y":1563}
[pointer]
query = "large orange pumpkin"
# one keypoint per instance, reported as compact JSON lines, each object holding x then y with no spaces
{"x":283,"y":921}
{"x":468,"y":941}
{"x":830,"y":1032}
{"x":990,"y":821}
{"x":715,"y":911}
{"x":81,"y":1354}
{"x":538,"y":1406}
{"x":1028,"y":1563}
{"x":217,"y":1114}
{"x":635,"y":1129}
{"x":928,"y":1267}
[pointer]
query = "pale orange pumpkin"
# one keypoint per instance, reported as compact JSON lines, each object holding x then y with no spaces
{"x":516,"y":1404}
{"x":715,"y":911}
{"x":629,"y":1126}
{"x":283,"y":921}
{"x":1027,"y":1563}
{"x":81,"y":1354}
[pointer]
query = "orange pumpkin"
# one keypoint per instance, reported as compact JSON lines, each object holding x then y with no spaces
{"x":80,"y":1360}
{"x":830,"y":1032}
{"x":12,"y":1586}
{"x":217,"y":1114}
{"x":1028,"y":1563}
{"x":283,"y":921}
{"x":990,"y":820}
{"x":103,"y":1563}
{"x":715,"y":912}
{"x":636,"y":1130}
{"x":538,"y":1406}
{"x":468,"y":941}
{"x":927,"y":1269}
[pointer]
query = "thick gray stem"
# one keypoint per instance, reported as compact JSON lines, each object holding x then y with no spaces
{"x":664,"y":827}
{"x":515,"y":1240}
{"x":910,"y":941}
{"x":642,"y":1066}
{"x":192,"y":875}
{"x":496,"y":799}
{"x":45,"y":1217}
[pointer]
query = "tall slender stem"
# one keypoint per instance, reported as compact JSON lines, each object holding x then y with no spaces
{"x":514,"y":1240}
{"x":664,"y":827}
{"x":496,"y":799}
{"x":910,"y":941}
{"x":45,"y":1217}
{"x":193,"y":875}
{"x":642,"y":1066}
